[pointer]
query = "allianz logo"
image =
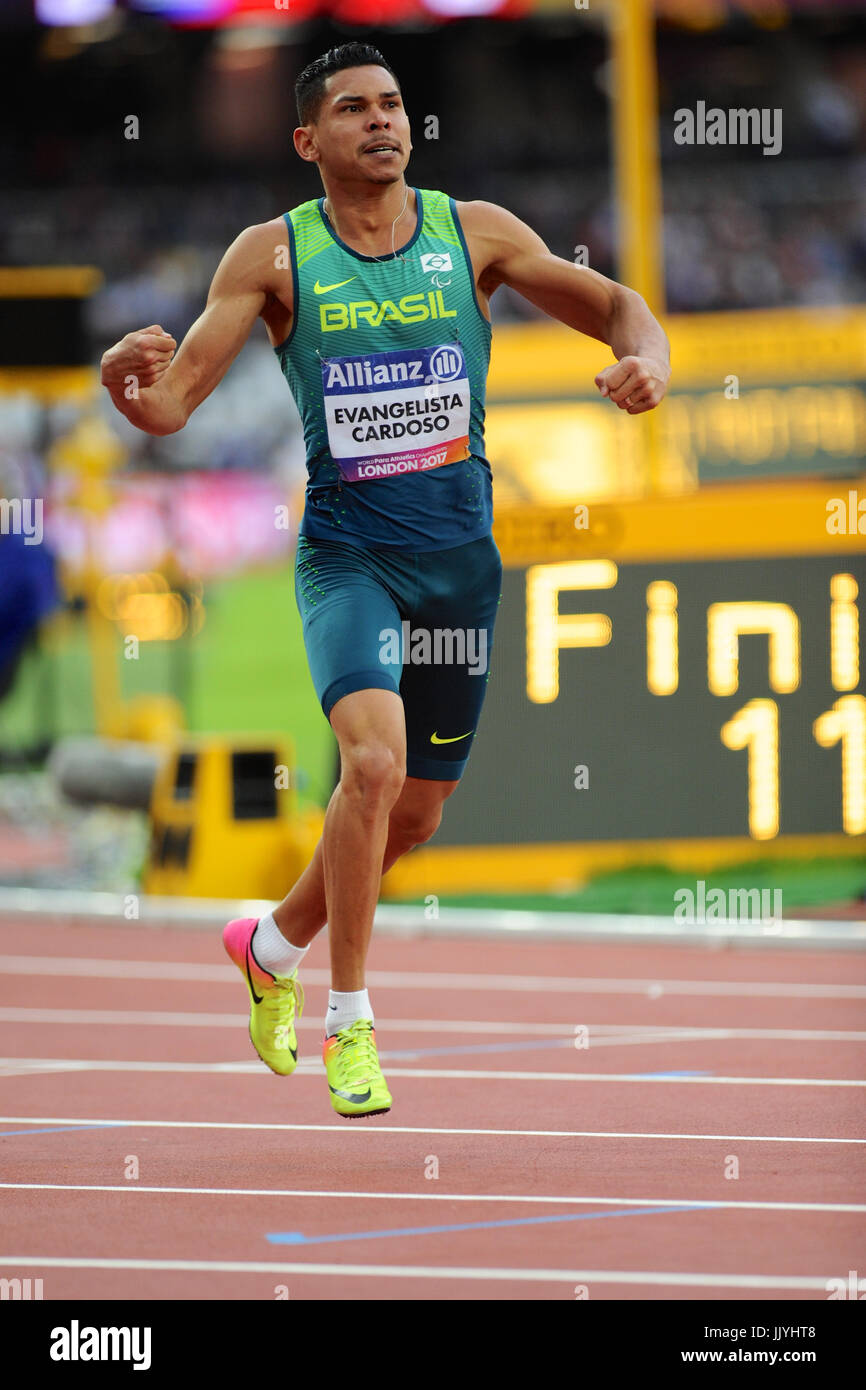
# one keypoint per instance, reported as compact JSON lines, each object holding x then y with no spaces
{"x":445,"y":365}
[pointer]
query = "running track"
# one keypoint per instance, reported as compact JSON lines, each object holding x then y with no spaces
{"x":563,"y":1171}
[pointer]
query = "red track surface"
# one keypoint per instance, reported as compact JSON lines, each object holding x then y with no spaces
{"x":629,"y":1142}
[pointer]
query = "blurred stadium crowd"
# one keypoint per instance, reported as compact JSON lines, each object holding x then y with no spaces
{"x":523,"y":120}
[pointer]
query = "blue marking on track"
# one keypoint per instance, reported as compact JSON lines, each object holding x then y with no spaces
{"x":59,"y":1129}
{"x":298,"y":1237}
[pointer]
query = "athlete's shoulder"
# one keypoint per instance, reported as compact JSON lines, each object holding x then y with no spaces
{"x":493,"y":233}
{"x":257,"y":242}
{"x":251,"y":258}
{"x":480,"y":216}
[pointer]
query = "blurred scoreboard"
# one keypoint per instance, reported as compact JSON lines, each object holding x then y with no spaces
{"x":754,"y":394}
{"x":671,"y":681}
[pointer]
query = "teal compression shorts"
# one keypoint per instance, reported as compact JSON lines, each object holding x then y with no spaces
{"x":420,"y":624}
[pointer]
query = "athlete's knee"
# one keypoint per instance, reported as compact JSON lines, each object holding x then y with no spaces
{"x":373,"y":773}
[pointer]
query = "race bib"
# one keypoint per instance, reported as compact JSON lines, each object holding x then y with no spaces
{"x":396,"y":412}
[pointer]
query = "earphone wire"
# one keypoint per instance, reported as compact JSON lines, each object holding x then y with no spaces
{"x":380,"y":259}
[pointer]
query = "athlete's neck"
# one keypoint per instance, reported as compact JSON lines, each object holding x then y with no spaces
{"x":374,"y":221}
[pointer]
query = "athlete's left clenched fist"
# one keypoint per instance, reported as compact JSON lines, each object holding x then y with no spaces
{"x":635,"y":384}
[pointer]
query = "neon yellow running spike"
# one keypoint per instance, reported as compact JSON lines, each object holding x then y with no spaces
{"x":355,"y":1079}
{"x":275,"y":1000}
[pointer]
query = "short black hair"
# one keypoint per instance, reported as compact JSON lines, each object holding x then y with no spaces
{"x":310,"y":86}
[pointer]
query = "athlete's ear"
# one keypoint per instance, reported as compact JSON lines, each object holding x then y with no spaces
{"x":305,"y":144}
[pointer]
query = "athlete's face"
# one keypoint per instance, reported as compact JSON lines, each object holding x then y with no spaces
{"x":362,"y":128}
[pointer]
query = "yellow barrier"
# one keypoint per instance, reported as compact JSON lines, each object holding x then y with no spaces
{"x":225,"y":821}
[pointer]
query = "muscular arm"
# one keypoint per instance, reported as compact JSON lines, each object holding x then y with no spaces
{"x":505,"y":251}
{"x":158,"y":391}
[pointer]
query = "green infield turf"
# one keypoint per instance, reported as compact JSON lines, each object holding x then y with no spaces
{"x":244,"y":672}
{"x":803,"y":884}
{"x":250,"y":673}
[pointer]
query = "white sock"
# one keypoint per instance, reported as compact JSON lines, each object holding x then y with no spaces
{"x":344,"y":1009}
{"x":271,"y":949}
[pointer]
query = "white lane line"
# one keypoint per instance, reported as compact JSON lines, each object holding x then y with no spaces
{"x":608,"y":1077}
{"x":649,"y":1278}
{"x":102,"y":969}
{"x":621,"y":1033}
{"x":132,"y":1018}
{"x":698,"y":1203}
{"x":415,"y":1129}
{"x":646,"y":1278}
{"x":17,"y":1066}
{"x":415,"y":979}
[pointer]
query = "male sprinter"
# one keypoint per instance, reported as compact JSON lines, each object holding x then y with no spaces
{"x":375,"y":298}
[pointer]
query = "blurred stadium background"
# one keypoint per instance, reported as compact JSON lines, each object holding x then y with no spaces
{"x":142,"y":137}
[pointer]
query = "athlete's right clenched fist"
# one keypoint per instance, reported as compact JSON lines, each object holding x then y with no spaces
{"x":138,"y":360}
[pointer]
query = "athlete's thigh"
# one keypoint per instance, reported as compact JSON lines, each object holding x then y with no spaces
{"x":345,"y":609}
{"x":448,"y":659}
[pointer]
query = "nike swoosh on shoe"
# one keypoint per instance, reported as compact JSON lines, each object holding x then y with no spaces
{"x":257,"y":997}
{"x":349,"y":1095}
